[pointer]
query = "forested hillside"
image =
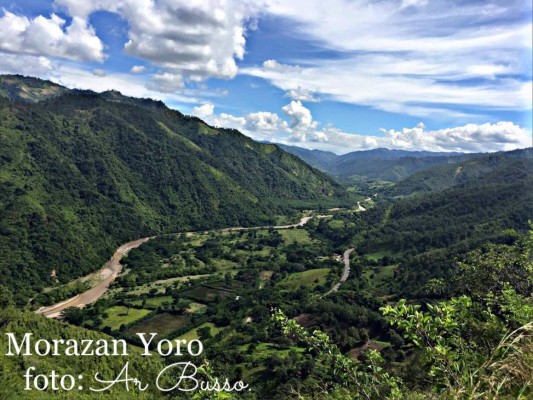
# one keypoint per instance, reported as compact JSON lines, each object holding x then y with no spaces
{"x":81,"y":172}
{"x":494,"y":168}
{"x":425,"y":233}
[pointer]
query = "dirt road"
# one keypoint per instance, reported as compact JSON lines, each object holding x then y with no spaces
{"x":345,"y":272}
{"x":112,"y":268}
{"x":105,"y":276}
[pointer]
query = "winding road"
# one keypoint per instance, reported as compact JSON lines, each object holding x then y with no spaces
{"x":112,"y":269}
{"x":345,"y":272}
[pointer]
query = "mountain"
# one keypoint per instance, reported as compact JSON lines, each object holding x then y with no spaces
{"x":323,"y":160}
{"x":81,"y":172}
{"x":495,"y":168}
{"x":375,"y":165}
{"x":452,"y":209}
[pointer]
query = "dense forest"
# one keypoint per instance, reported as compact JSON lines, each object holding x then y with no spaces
{"x":437,"y":302}
{"x":82,"y":172}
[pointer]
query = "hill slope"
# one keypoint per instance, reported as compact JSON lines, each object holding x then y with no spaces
{"x":82,"y":172}
{"x":12,"y":368}
{"x":491,"y":169}
{"x":451,"y":214}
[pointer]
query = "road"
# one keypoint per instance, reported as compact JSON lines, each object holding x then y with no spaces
{"x":345,"y":272}
{"x":112,"y":269}
{"x":105,"y":276}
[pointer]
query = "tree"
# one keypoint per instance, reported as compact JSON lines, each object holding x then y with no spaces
{"x":6,"y":297}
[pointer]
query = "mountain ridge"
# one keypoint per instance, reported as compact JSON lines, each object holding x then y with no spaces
{"x":80,"y":171}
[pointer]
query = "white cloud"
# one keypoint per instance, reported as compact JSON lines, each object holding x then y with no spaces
{"x":137,"y":69}
{"x":301,"y":118}
{"x":467,"y":138}
{"x":204,"y":111}
{"x":48,"y":37}
{"x":410,"y":56}
{"x":301,"y":94}
{"x":166,"y":82}
{"x":384,"y":82}
{"x":304,"y":131}
{"x":191,"y":40}
{"x":25,"y":64}
{"x":265,"y":123}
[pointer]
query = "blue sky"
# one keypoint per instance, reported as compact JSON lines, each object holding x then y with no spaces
{"x":337,"y":75}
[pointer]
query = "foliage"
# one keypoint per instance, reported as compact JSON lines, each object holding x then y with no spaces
{"x":369,"y":380}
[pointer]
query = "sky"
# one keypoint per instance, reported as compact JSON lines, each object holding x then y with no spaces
{"x":336,"y":75}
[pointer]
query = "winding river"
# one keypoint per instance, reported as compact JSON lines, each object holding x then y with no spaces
{"x":112,"y":269}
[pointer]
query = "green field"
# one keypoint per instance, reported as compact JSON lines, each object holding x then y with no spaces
{"x":119,"y":315}
{"x":160,"y":285}
{"x":163,"y":324}
{"x":380,"y":273}
{"x":299,"y":236}
{"x":196,"y":308}
{"x":378,"y":255}
{"x":193,"y":334}
{"x":306,"y":278}
{"x":154,"y":302}
{"x":206,"y":294}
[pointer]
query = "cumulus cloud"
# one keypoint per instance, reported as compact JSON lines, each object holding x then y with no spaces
{"x":265,"y":123}
{"x":204,"y":111}
{"x":301,"y":118}
{"x":137,"y":69}
{"x":192,"y":40}
{"x":303,"y":131}
{"x":468,"y":138}
{"x":49,"y":37}
{"x":301,"y":94}
{"x":25,"y":64}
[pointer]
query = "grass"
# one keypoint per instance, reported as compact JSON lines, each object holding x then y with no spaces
{"x":265,"y":350}
{"x":119,"y":315}
{"x":335,"y":223}
{"x":205,"y":294}
{"x":306,"y":278}
{"x":378,"y":255}
{"x":380,"y":273}
{"x":222,"y":264}
{"x":193,"y":334}
{"x":299,"y":236}
{"x":265,"y":276}
{"x":160,"y":285}
{"x":163,"y":324}
{"x":154,"y":302}
{"x":196,"y":308}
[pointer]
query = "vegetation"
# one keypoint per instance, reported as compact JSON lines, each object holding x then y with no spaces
{"x":438,"y":303}
{"x":80,"y":170}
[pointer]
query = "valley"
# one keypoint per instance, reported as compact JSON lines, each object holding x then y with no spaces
{"x":112,"y":269}
{"x":410,"y":273}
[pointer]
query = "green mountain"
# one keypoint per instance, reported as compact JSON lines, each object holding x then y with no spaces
{"x":453,"y":209}
{"x":376,"y":164}
{"x":495,"y":168}
{"x":323,"y":160}
{"x":81,"y":172}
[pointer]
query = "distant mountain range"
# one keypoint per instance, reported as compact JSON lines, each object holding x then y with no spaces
{"x":81,"y":172}
{"x":377,"y":164}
